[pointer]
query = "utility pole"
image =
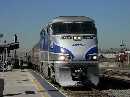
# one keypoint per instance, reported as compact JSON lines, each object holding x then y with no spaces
{"x":15,"y":53}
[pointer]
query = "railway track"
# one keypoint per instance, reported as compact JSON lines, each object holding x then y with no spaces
{"x":91,"y":92}
{"x":109,"y":86}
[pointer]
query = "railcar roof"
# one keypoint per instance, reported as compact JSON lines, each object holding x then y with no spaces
{"x":71,"y":19}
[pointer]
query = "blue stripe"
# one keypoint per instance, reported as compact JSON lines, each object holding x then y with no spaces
{"x":91,"y":51}
{"x":57,"y":49}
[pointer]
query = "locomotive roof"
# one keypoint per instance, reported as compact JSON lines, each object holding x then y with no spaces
{"x":72,"y":19}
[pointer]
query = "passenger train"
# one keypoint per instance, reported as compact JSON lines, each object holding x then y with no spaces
{"x":67,"y":51}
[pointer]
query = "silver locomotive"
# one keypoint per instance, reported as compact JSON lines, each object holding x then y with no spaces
{"x":68,"y":50}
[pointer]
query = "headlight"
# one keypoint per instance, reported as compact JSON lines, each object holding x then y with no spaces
{"x":62,"y":58}
{"x":66,"y":37}
{"x":94,"y":57}
{"x":75,"y":38}
{"x":79,"y":38}
{"x":91,"y":57}
{"x":62,"y":50}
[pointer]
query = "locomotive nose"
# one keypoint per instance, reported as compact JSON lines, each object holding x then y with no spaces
{"x":77,"y":46}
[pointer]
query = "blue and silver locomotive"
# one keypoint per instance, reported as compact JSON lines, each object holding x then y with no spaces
{"x":68,"y":51}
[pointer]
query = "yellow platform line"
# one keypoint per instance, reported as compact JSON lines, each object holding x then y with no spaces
{"x":39,"y":88}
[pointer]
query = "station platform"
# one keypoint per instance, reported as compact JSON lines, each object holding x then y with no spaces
{"x":19,"y":83}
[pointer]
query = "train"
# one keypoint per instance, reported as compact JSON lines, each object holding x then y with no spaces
{"x":67,"y":51}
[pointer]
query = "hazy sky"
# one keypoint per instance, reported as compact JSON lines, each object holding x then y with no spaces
{"x":26,"y":17}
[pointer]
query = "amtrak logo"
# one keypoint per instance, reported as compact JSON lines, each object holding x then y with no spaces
{"x":78,"y":44}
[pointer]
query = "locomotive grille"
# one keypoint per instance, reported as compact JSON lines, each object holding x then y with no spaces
{"x":79,"y":72}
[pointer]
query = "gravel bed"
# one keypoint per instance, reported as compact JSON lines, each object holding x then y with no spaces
{"x":118,"y":93}
{"x":93,"y":93}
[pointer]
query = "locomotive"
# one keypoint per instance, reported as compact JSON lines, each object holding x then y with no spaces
{"x":67,"y":51}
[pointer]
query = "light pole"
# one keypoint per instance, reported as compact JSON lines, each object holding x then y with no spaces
{"x":15,"y":55}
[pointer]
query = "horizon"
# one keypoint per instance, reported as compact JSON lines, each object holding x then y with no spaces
{"x":27,"y":17}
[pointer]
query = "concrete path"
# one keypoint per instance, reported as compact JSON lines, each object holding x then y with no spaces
{"x":21,"y":84}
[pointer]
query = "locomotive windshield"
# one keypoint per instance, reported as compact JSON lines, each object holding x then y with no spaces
{"x":74,"y":28}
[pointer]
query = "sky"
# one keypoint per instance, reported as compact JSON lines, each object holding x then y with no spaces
{"x":26,"y":18}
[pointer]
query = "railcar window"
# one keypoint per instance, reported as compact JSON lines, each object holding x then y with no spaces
{"x":73,"y":28}
{"x":59,"y":28}
{"x":88,"y":28}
